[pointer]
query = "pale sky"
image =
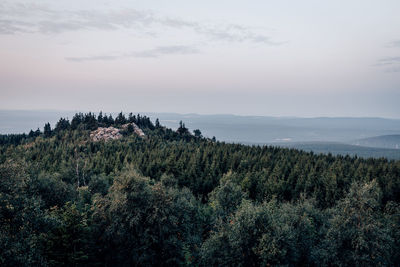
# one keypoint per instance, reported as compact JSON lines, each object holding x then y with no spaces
{"x":276,"y":58}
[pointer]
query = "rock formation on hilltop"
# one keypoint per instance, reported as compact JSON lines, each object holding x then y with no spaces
{"x":112,"y":133}
{"x":105,"y":134}
{"x":136,"y":129}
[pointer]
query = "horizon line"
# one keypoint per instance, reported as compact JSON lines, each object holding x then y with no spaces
{"x":209,"y":114}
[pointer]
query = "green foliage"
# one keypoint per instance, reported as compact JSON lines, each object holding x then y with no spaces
{"x":47,"y":130}
{"x":150,"y":225}
{"x":242,"y":232}
{"x":268,"y":234}
{"x":62,"y":125}
{"x":22,"y":221}
{"x":295,"y":233}
{"x":68,"y":241}
{"x":179,"y":199}
{"x":99,"y":184}
{"x":52,"y":190}
{"x":197,"y":133}
{"x":182,"y":130}
{"x":226,"y":198}
{"x":358,"y":234}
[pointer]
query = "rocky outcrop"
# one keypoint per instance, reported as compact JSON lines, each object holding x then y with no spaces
{"x":112,"y":133}
{"x":105,"y":134}
{"x":136,"y":129}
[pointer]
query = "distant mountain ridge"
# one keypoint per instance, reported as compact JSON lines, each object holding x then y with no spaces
{"x":270,"y":130}
{"x":383,"y":141}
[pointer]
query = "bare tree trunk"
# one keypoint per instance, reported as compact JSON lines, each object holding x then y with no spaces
{"x":77,"y":172}
{"x":77,"y":167}
{"x":83,"y":173}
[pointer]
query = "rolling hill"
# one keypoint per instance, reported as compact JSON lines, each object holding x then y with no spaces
{"x":383,"y":141}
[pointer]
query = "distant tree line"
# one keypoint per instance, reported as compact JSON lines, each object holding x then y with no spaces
{"x":83,"y":121}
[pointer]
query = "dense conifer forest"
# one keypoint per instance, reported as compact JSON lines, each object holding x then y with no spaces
{"x":176,"y":198}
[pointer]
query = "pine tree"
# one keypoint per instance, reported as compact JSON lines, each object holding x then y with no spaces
{"x":47,"y":130}
{"x":197,"y":133}
{"x":182,"y":129}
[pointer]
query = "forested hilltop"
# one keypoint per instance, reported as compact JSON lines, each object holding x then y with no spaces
{"x":176,"y":198}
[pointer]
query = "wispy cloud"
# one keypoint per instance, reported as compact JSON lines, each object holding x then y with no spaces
{"x":151,"y":53}
{"x":167,"y":50}
{"x":35,"y":18}
{"x":41,"y":19}
{"x":395,"y":43}
{"x":393,"y":69}
{"x":92,"y":58}
{"x":8,"y":26}
{"x":389,"y":61}
{"x":390,"y":64}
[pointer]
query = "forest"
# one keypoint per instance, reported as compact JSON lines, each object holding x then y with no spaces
{"x":176,"y":198}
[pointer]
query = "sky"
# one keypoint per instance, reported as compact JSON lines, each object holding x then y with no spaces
{"x":306,"y":58}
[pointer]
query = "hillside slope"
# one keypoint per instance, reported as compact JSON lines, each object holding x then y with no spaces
{"x":343,"y":149}
{"x":174,"y":198}
{"x":383,"y":141}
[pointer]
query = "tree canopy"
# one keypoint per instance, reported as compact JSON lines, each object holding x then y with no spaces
{"x":181,"y":199}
